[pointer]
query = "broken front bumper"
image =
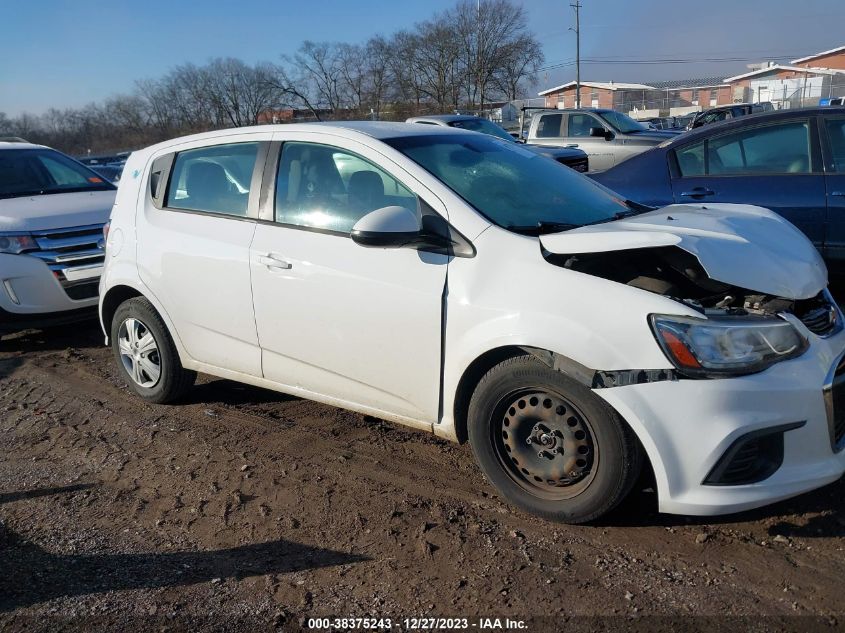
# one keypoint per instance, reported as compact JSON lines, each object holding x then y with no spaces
{"x":694,"y":431}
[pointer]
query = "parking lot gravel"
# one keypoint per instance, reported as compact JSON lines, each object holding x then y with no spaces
{"x":245,"y":509}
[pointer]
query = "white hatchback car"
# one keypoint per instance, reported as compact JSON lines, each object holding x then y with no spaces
{"x":460,"y":284}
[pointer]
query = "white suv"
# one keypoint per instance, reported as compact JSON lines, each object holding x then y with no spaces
{"x":52,"y":212}
{"x":460,"y":284}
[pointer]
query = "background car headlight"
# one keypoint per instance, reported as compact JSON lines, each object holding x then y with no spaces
{"x":726,"y":345}
{"x":16,"y":243}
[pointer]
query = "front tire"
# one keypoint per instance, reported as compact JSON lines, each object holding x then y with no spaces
{"x":146,"y":355}
{"x":548,"y":444}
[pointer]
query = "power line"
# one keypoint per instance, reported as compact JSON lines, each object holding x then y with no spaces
{"x":646,"y":61}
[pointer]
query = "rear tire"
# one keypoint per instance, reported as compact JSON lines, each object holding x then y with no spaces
{"x":146,"y":355}
{"x":548,"y":444}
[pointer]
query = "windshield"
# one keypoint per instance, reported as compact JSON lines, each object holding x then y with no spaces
{"x":622,"y":122}
{"x":30,"y":172}
{"x":482,"y":125}
{"x":510,"y":185}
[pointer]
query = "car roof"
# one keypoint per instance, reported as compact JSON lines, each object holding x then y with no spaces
{"x":380,"y":130}
{"x":20,"y":145}
{"x":757,"y":117}
{"x":446,"y":118}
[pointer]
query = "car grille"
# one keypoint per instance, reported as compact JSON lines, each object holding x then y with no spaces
{"x":818,"y":314}
{"x":578,"y":164}
{"x":835,"y":403}
{"x":75,"y":255}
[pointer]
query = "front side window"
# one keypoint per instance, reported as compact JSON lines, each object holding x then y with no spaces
{"x":580,"y":124}
{"x":32,"y":172}
{"x":773,"y":149}
{"x":510,"y":185}
{"x":327,"y":188}
{"x":213,"y":179}
{"x":836,"y":133}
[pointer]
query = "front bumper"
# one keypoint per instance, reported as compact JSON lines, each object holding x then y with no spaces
{"x":32,"y":296}
{"x":686,"y":426}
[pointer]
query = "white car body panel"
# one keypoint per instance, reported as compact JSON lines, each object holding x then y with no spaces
{"x":361,"y":328}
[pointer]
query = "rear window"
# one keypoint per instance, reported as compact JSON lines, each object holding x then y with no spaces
{"x":213,"y":179}
{"x":30,"y":172}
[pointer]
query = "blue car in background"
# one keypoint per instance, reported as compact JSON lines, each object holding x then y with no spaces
{"x":789,"y":161}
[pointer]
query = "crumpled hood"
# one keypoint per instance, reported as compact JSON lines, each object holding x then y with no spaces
{"x":736,"y":244}
{"x":55,"y":211}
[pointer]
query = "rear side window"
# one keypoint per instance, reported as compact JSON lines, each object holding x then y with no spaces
{"x":213,"y":179}
{"x":549,"y":126}
{"x":773,"y":149}
{"x":836,"y":133}
{"x":324,"y":187}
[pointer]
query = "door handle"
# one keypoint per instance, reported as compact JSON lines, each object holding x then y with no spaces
{"x":838,"y":193}
{"x":698,"y":191}
{"x":273,"y":262}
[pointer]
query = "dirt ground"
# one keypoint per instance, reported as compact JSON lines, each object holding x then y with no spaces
{"x":244,"y":509}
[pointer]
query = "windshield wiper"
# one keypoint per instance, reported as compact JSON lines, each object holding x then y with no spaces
{"x":542,"y":227}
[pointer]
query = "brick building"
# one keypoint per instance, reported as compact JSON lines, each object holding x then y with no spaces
{"x":803,"y":81}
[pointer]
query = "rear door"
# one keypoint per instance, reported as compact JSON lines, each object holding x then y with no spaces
{"x":773,"y":165}
{"x":195,"y":225}
{"x":833,"y":133}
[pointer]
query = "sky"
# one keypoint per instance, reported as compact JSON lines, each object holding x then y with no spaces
{"x":67,"y":53}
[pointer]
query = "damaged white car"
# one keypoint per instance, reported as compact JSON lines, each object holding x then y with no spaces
{"x":460,"y":284}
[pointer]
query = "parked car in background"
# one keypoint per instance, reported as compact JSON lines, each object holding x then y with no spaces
{"x":833,"y":101}
{"x":52,"y":212}
{"x":724,"y":113}
{"x":789,"y":161}
{"x":608,"y":137}
{"x":575,"y":335}
{"x":664,"y":123}
{"x":110,"y":172}
{"x":569,"y":156}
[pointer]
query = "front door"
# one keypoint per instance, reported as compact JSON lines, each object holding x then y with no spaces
{"x":602,"y":152}
{"x":359,"y":325}
{"x":776,"y":166}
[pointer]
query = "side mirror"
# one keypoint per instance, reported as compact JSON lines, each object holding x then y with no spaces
{"x":398,"y":227}
{"x":388,"y":227}
{"x":600,"y":132}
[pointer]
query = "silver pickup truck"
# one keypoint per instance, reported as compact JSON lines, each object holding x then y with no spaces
{"x":569,"y":156}
{"x":608,"y":137}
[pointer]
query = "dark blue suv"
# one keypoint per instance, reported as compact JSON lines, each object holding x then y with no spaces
{"x":789,"y":161}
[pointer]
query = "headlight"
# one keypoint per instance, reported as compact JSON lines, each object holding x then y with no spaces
{"x":16,"y":243}
{"x":726,"y":345}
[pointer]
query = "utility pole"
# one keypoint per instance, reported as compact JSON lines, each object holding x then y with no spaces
{"x":577,"y":29}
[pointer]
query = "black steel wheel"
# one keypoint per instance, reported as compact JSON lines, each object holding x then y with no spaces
{"x":549,"y":444}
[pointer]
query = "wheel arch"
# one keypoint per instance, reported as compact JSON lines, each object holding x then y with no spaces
{"x":120,"y":292}
{"x":475,"y":371}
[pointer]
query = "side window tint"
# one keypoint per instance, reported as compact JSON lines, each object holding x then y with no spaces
{"x":215,"y":179}
{"x":580,"y":124}
{"x":691,"y":160}
{"x":773,"y":149}
{"x":328,"y":188}
{"x":836,"y":133}
{"x":549,"y":126}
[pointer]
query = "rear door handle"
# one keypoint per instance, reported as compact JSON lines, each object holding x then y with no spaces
{"x":838,"y":193}
{"x":698,"y":191}
{"x":271,"y":261}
